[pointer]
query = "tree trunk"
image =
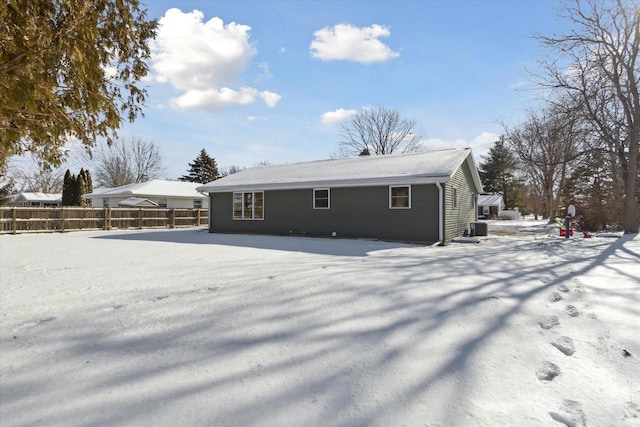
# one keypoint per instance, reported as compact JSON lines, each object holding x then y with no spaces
{"x":630,"y":217}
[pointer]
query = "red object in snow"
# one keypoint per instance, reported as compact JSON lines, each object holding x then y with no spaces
{"x":563,"y":232}
{"x":586,"y":234}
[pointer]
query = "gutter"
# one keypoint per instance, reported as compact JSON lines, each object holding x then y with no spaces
{"x":440,"y":214}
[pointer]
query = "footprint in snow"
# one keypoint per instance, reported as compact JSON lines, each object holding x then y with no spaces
{"x":571,"y":310}
{"x":554,"y":297}
{"x":37,"y":322}
{"x":565,"y":345}
{"x":570,"y":414}
{"x":158,"y":298}
{"x":547,"y":371}
{"x":562,"y":288}
{"x":549,"y":322}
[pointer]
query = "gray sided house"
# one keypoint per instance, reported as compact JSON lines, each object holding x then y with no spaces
{"x":425,"y":197}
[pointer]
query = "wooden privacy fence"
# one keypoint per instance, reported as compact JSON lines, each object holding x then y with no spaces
{"x":41,"y":220}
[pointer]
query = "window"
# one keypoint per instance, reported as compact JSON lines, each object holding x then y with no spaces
{"x":321,"y":198}
{"x":162,"y":203}
{"x":400,"y":197}
{"x":105,"y":203}
{"x":197,"y":203}
{"x":454,"y":198}
{"x":249,"y":205}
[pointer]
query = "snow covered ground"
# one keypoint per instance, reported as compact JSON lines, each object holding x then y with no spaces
{"x":183,"y":327}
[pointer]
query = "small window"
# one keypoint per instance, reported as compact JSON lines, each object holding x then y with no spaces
{"x":249,"y":205}
{"x":162,"y":203}
{"x":197,"y":203}
{"x":105,"y":203}
{"x":454,"y":198}
{"x":321,"y":198}
{"x":400,"y":197}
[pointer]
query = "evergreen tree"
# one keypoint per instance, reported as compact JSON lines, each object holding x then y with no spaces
{"x":498,"y":173}
{"x":74,"y":187}
{"x":203,"y":169}
{"x":68,"y":188}
{"x":79,"y":187}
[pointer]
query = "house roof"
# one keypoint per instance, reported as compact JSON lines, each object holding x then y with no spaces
{"x":38,"y":197}
{"x":153,"y":188}
{"x":416,"y":168}
{"x":137,"y":201}
{"x":490,"y":200}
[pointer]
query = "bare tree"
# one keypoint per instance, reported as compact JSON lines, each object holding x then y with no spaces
{"x":127,"y":162}
{"x":378,"y":131}
{"x":30,"y":175}
{"x":545,"y":145}
{"x":597,"y":64}
{"x":226,"y":171}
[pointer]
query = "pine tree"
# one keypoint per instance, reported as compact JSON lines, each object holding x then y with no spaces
{"x":203,"y":169}
{"x":67,"y":189}
{"x":79,"y":187}
{"x":498,"y":173}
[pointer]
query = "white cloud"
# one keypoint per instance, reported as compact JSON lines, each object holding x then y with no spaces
{"x":480,"y":144}
{"x":347,"y":42}
{"x":204,"y":60}
{"x":337,"y":116}
{"x":270,"y":98}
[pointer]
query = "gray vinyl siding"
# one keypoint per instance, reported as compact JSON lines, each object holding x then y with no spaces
{"x":459,"y":218}
{"x":354,"y":212}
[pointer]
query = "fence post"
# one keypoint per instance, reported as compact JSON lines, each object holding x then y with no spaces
{"x":172,"y":218}
{"x":108,"y":216}
{"x":14,"y":218}
{"x":197,"y":217}
{"x":62,"y":219}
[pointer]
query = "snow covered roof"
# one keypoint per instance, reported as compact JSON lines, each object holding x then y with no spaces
{"x":416,"y":168}
{"x":490,"y":200}
{"x":138,"y":202}
{"x":152,"y":188}
{"x":38,"y":197}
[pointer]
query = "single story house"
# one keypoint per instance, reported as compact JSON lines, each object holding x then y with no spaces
{"x":166,"y":194}
{"x":490,"y":205}
{"x":38,"y":200}
{"x":423,"y":197}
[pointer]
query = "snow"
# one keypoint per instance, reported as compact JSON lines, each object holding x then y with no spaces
{"x":183,"y":327}
{"x":154,"y":187}
{"x":427,"y":167}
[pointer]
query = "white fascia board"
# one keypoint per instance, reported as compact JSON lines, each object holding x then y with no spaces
{"x":327,"y":184}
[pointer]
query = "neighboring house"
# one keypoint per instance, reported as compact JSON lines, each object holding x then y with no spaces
{"x":490,"y":205}
{"x":423,"y":197}
{"x":167,"y":194}
{"x":26,"y":199}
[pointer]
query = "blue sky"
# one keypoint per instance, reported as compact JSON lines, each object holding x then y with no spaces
{"x":254,"y":81}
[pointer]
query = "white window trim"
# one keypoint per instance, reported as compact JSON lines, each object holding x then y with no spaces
{"x":253,"y":206}
{"x":390,"y":192}
{"x":328,"y":190}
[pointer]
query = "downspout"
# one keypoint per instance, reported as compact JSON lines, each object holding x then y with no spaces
{"x":440,"y":215}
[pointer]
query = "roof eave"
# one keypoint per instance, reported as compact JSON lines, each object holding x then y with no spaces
{"x":369,"y":182}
